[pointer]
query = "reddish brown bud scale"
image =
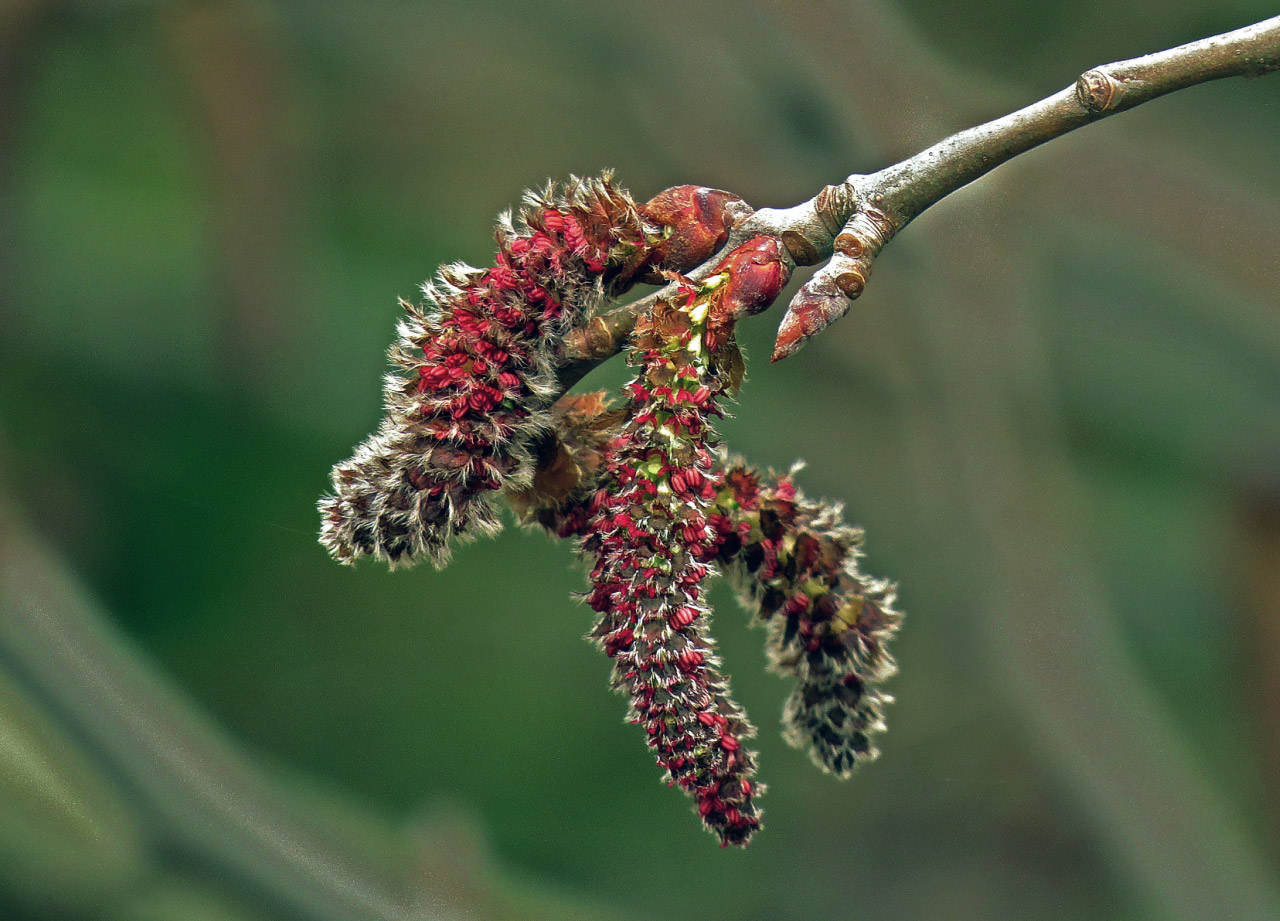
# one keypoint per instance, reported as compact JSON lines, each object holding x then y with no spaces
{"x":694,"y":222}
{"x":825,"y":297}
{"x":818,"y":304}
{"x":758,"y":270}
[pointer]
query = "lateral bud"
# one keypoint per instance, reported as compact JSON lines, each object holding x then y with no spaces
{"x":758,"y":270}
{"x":694,"y":222}
{"x":826,"y":296}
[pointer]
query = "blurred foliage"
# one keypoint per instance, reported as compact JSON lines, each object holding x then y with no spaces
{"x":1055,"y":411}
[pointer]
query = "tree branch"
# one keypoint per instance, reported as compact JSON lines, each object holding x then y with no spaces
{"x":851,"y":222}
{"x":910,"y":187}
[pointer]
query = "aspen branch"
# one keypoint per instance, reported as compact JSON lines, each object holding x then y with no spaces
{"x":851,"y":222}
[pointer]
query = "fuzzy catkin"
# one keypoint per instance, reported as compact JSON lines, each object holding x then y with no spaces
{"x":476,"y":376}
{"x":569,"y":463}
{"x":652,"y":550}
{"x":795,"y":563}
{"x":470,"y":411}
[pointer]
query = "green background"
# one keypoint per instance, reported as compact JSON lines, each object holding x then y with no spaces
{"x":1056,"y":411}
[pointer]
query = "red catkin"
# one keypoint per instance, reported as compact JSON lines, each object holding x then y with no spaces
{"x":829,"y":624}
{"x":477,"y":373}
{"x":651,"y":548}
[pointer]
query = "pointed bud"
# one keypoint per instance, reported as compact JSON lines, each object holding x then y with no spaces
{"x":825,"y":297}
{"x":817,"y":305}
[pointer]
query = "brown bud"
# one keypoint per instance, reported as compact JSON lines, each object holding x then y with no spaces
{"x":1096,"y":90}
{"x":758,"y":271}
{"x":818,"y":304}
{"x":697,"y":220}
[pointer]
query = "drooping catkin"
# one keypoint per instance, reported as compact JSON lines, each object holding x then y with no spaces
{"x":795,"y":563}
{"x":652,"y":547}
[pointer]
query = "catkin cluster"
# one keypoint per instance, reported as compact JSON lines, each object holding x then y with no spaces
{"x":475,"y":364}
{"x":657,"y":507}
